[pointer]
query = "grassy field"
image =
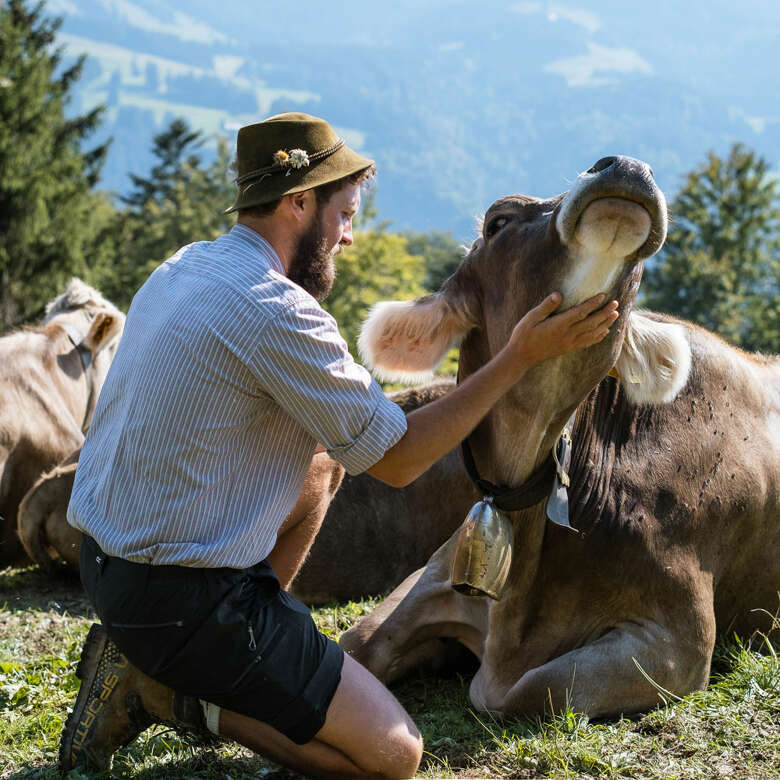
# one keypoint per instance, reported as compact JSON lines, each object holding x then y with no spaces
{"x":730,"y":730}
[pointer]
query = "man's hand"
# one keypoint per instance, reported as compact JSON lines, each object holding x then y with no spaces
{"x":539,"y":336}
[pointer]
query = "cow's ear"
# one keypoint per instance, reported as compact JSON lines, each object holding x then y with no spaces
{"x":103,"y":330}
{"x":404,"y":341}
{"x":655,"y":361}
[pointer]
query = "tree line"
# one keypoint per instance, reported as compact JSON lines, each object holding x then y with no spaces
{"x":720,"y":266}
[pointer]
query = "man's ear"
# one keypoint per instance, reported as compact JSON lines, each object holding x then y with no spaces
{"x":655,"y":361}
{"x":301,"y":204}
{"x":103,"y":330}
{"x":404,"y":341}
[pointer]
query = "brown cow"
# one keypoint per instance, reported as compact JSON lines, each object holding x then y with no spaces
{"x":674,"y":477}
{"x":50,"y":377}
{"x":372,"y":536}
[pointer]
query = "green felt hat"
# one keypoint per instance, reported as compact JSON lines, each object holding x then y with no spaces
{"x":289,"y":153}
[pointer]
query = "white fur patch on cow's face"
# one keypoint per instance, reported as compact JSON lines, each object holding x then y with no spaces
{"x":613,"y":214}
{"x":609,"y":231}
{"x":588,"y":275}
{"x":655,"y":361}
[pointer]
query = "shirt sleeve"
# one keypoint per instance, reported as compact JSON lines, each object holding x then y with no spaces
{"x":304,"y":364}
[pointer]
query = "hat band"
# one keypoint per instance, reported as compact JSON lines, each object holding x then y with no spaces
{"x":269,"y":169}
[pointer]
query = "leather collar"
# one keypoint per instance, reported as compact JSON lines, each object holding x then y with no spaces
{"x":78,"y":339}
{"x":535,"y":489}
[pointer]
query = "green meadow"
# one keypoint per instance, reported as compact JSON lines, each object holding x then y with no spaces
{"x":730,"y":730}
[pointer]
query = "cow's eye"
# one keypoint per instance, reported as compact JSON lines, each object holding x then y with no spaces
{"x":495,"y":225}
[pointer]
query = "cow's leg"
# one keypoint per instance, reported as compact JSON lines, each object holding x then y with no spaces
{"x":609,"y":676}
{"x":406,"y":630}
{"x":299,"y":529}
{"x":42,"y":518}
{"x":25,"y":463}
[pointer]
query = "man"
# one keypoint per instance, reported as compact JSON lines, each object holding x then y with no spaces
{"x":228,"y":377}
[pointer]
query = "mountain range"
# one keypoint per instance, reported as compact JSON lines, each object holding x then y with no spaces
{"x":458,"y":102}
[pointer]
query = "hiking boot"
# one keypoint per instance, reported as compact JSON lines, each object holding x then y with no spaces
{"x":116,"y":702}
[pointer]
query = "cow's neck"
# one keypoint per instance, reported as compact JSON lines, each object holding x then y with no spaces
{"x":606,"y":423}
{"x":525,"y":424}
{"x":500,"y":456}
{"x":515,"y":439}
{"x":510,"y":616}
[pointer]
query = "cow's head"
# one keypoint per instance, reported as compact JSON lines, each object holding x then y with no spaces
{"x":592,"y":239}
{"x":93,"y":326}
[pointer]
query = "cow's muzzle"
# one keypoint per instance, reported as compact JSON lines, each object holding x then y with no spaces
{"x":619,"y":178}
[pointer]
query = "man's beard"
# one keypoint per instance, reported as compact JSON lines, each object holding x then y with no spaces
{"x":312,"y":265}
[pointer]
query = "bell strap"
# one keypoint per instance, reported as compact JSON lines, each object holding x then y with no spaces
{"x":534,"y":490}
{"x":79,"y":342}
{"x":78,"y":339}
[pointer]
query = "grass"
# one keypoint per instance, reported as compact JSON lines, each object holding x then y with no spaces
{"x":731,"y":730}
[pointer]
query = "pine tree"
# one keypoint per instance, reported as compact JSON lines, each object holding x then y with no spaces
{"x":181,"y":201}
{"x":720,"y":266}
{"x":50,"y":219}
{"x":174,"y":148}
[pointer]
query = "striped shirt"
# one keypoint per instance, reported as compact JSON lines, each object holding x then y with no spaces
{"x":226,"y":377}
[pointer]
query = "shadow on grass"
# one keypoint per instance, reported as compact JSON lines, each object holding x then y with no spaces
{"x":167,"y":754}
{"x":33,"y":589}
{"x":207,"y":766}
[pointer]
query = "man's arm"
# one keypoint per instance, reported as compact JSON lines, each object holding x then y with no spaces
{"x":434,"y":429}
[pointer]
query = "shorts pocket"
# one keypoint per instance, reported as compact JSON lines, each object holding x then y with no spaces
{"x":152,"y":647}
{"x":223,"y":650}
{"x":249,"y":669}
{"x":168,"y":624}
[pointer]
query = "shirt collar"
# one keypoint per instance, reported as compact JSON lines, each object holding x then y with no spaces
{"x":246,"y":234}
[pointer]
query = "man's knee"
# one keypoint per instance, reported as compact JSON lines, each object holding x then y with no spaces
{"x":413,"y":750}
{"x":368,"y":724}
{"x":402,"y":754}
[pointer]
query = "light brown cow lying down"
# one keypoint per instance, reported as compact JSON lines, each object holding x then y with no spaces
{"x":50,"y":377}
{"x":372,"y":535}
{"x":674,"y":475}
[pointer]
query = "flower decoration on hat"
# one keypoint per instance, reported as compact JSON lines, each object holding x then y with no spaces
{"x":294,"y":159}
{"x":298,"y":158}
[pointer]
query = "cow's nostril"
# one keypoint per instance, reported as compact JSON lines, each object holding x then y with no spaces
{"x":602,"y":164}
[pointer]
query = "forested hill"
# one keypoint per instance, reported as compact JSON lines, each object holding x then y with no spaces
{"x":458,"y":102}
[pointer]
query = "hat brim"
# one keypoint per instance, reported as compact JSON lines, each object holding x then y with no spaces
{"x":272,"y":186}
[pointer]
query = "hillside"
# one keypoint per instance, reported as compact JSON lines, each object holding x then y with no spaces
{"x":457,"y":105}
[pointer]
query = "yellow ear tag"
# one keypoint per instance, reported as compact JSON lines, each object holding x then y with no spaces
{"x":614,"y":374}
